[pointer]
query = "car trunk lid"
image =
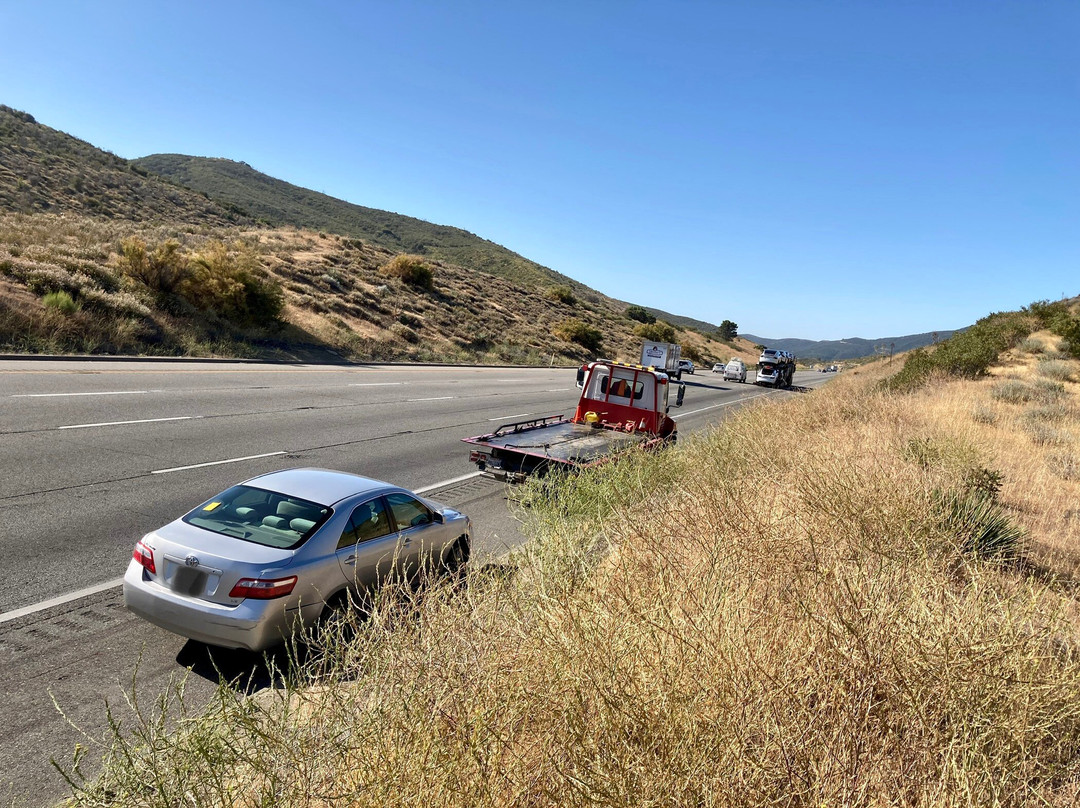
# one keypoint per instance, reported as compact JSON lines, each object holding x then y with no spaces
{"x":199,"y":563}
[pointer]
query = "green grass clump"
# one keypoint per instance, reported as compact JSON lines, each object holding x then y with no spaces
{"x":979,"y":524}
{"x":1032,"y":346}
{"x":60,"y":301}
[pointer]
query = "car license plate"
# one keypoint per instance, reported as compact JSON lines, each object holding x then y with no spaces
{"x":185,"y":580}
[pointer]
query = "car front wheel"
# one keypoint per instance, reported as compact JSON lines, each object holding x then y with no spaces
{"x":457,"y":557}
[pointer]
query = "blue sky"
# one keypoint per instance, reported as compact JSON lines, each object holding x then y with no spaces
{"x":807,"y":169}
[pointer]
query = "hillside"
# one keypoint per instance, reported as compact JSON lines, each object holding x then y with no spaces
{"x":851,"y":348}
{"x":98,"y":255}
{"x":44,"y":170}
{"x":281,"y":204}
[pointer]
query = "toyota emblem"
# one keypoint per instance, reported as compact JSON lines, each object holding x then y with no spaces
{"x":192,"y":561}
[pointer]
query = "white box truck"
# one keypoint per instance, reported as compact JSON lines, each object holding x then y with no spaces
{"x":663,"y":356}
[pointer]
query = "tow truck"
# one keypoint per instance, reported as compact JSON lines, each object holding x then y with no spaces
{"x":621,"y":406}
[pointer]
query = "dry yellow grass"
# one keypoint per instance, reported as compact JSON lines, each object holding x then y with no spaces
{"x":778,"y":613}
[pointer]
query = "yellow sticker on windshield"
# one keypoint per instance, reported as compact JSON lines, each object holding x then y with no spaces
{"x":211,"y":506}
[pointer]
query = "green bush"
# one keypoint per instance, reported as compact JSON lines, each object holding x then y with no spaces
{"x":640,"y":313}
{"x":574,"y":330}
{"x":60,"y":301}
{"x":162,"y":270}
{"x":692,"y":353}
{"x":1047,"y":314}
{"x":1032,"y":345}
{"x":966,"y":354}
{"x":561,"y":294}
{"x":411,"y":269}
{"x":228,"y":280}
{"x":656,"y":332}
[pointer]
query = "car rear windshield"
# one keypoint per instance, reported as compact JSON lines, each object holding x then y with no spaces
{"x":261,"y":517}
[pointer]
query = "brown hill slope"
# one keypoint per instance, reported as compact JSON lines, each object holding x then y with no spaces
{"x":336,"y":296}
{"x":98,"y":257}
{"x":44,"y":170}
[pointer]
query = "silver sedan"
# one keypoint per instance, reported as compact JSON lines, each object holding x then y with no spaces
{"x":275,"y":554}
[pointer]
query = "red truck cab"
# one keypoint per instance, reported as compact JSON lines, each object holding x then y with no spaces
{"x":628,"y":397}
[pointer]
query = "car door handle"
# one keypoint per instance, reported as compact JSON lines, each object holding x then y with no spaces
{"x":351,"y":560}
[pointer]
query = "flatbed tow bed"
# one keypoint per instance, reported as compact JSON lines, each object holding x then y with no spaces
{"x":610,"y":419}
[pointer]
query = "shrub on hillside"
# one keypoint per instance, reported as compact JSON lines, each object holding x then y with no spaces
{"x":1056,"y":369}
{"x":228,"y":279}
{"x":574,"y":330}
{"x":561,"y":294}
{"x":1069,"y":328}
{"x":656,"y":332}
{"x":60,"y":301}
{"x":966,"y":354}
{"x":162,"y":269}
{"x":692,"y":353}
{"x":1012,"y":391}
{"x":411,"y":269}
{"x":640,"y":313}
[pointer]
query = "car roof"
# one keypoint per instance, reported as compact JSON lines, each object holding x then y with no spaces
{"x":321,"y":486}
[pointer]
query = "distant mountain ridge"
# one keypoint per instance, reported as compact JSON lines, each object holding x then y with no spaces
{"x":851,"y":348}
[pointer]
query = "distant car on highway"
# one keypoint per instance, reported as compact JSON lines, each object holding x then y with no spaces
{"x":686,"y":366}
{"x":735,"y":370}
{"x":718,"y":367}
{"x":278,"y":553}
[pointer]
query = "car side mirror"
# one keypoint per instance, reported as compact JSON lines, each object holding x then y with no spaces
{"x":437,"y":517}
{"x":679,"y":395}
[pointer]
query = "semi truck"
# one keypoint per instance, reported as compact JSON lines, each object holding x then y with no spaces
{"x":775,"y":368}
{"x":621,"y":406}
{"x":663,"y":356}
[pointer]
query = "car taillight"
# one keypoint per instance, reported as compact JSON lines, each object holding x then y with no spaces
{"x":263,"y":589}
{"x":145,"y":556}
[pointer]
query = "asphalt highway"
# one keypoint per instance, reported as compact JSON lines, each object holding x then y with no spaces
{"x":94,"y":454}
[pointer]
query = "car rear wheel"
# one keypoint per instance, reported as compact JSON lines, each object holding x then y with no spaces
{"x":339,"y":620}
